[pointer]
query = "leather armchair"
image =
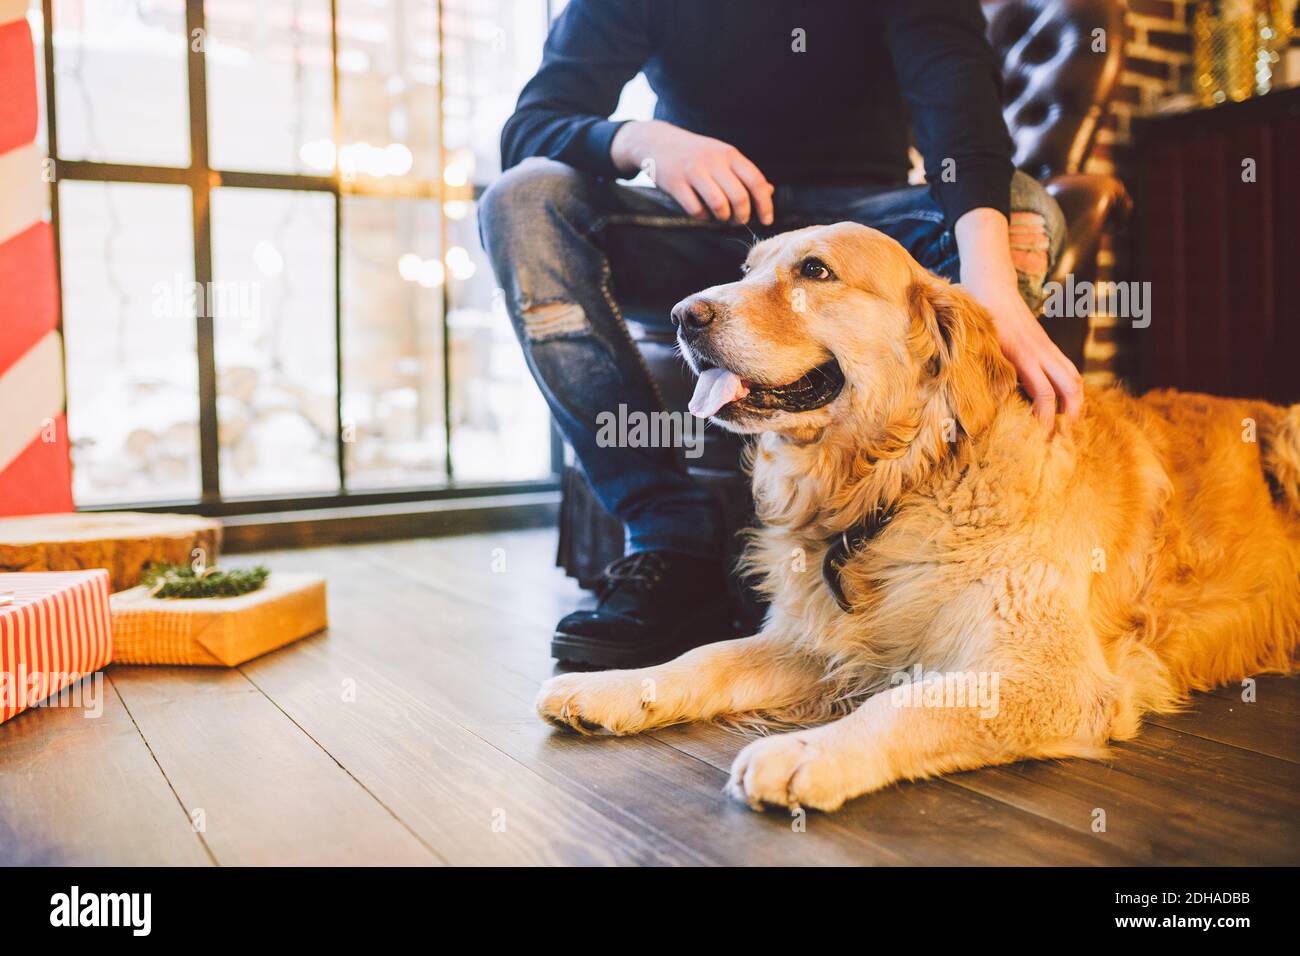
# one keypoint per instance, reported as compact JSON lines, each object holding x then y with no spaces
{"x":1058,"y":76}
{"x":1060,"y":62}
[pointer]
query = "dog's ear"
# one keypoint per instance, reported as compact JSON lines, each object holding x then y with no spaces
{"x":954,"y":335}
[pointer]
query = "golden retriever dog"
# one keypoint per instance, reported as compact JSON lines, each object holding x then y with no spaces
{"x":952,"y":586}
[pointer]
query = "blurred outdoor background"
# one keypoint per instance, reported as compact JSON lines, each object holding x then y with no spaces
{"x":433,"y":386}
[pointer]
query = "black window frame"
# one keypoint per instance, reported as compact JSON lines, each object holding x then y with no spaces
{"x":202,"y":179}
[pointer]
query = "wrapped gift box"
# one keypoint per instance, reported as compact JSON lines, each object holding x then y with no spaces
{"x":220,"y":630}
{"x":54,"y":629}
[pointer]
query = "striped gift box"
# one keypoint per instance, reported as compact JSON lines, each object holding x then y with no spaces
{"x":55,"y":628}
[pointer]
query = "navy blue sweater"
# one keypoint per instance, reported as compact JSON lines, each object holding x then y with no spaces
{"x":836,"y":113}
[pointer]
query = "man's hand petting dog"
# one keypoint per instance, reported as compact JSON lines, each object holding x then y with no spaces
{"x":989,"y":275}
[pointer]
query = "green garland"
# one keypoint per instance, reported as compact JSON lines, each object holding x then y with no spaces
{"x":182,"y":581}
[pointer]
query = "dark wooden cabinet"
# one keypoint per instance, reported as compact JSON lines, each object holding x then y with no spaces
{"x":1220,"y":248}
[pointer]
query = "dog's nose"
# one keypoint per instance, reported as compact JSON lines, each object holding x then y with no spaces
{"x":693,"y":314}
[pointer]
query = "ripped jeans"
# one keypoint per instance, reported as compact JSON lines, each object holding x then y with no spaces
{"x":572,"y":251}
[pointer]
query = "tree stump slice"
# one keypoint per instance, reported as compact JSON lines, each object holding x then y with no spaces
{"x":123,"y":542}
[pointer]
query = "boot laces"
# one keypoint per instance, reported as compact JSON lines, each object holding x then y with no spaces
{"x":640,"y":571}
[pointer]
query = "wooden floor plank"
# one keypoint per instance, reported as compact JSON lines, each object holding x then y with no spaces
{"x":85,"y":791}
{"x":1270,"y":724}
{"x":407,"y":731}
{"x":471,"y":802}
{"x":267,"y":793}
{"x":511,"y":572}
{"x":418,"y":676}
{"x":644,"y":780}
{"x":929,"y":822}
{"x":1168,"y":798}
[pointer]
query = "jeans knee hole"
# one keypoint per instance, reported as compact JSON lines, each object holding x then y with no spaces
{"x":553,"y":318}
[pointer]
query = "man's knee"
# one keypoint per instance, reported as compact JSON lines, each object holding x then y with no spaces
{"x":518,"y":218}
{"x":1037,"y":235}
{"x":535,"y":187}
{"x":1028,"y":195}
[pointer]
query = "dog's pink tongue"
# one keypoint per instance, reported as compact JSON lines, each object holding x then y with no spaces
{"x":715,"y":388}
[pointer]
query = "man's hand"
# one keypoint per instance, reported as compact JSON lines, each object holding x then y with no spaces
{"x":988,"y":274}
{"x":706,"y":176}
{"x":1043,"y":369}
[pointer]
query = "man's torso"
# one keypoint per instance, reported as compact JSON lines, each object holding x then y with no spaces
{"x":805,"y":90}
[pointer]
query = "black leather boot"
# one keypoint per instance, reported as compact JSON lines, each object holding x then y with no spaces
{"x":653,"y":605}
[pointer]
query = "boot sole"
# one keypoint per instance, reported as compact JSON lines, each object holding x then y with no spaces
{"x":597,"y":652}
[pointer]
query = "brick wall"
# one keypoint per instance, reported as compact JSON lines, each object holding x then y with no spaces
{"x":1158,"y":64}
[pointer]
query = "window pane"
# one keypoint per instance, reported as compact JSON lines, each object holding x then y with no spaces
{"x":500,"y":423}
{"x":388,"y":70}
{"x":120,"y":81}
{"x":493,"y":49}
{"x":270,"y":89}
{"x":500,"y":427}
{"x":128,"y":323}
{"x":273,"y":310}
{"x":392,"y":344}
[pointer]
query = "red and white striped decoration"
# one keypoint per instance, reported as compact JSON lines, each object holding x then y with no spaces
{"x":35,"y":474}
{"x":55,"y":628}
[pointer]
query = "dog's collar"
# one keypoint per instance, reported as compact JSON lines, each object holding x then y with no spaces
{"x":846,"y":543}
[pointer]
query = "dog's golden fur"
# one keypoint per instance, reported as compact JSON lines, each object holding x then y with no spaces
{"x":1149,"y":548}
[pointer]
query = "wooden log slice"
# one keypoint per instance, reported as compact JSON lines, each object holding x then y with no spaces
{"x":123,"y":542}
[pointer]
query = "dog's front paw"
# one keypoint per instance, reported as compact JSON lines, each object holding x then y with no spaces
{"x":612,"y":702}
{"x":802,"y":769}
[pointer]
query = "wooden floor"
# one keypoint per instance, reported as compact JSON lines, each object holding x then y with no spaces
{"x":405,"y":735}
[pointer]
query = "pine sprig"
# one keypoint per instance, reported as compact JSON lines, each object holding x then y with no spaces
{"x":182,"y":581}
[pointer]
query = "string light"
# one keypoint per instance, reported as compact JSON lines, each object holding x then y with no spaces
{"x":459,"y":262}
{"x":409,"y":266}
{"x":432,"y":274}
{"x":395,"y":159}
{"x":429,"y":273}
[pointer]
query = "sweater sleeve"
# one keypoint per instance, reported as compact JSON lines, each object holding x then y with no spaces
{"x":593,"y":49}
{"x":950,"y":78}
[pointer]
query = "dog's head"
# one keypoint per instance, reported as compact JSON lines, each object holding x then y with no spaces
{"x":837,"y":329}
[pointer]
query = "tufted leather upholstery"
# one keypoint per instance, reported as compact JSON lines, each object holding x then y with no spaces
{"x":1060,"y":62}
{"x":1055,"y":86}
{"x":1055,"y":89}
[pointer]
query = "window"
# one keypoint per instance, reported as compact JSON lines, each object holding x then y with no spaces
{"x":272,"y":288}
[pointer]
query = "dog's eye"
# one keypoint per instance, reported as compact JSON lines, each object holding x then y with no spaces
{"x":744,"y":269}
{"x":812,"y":268}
